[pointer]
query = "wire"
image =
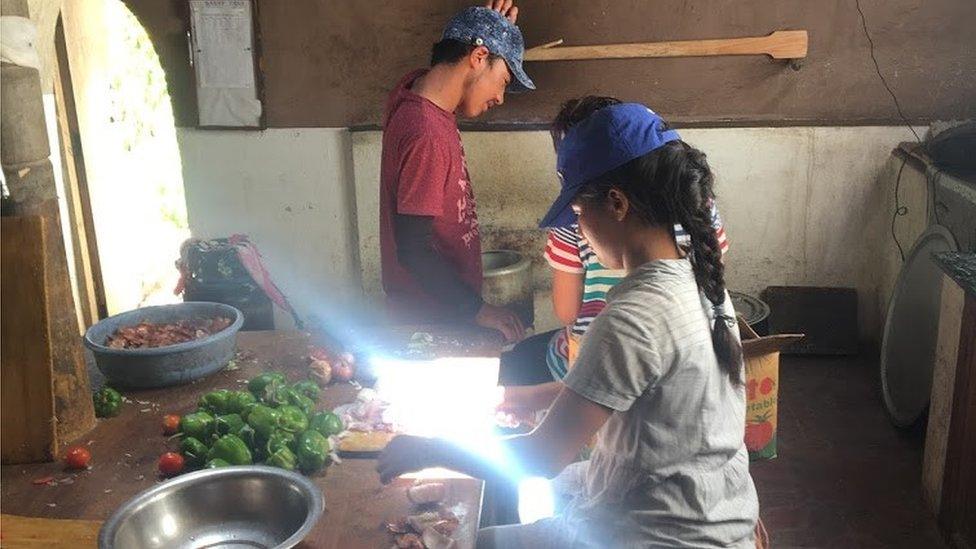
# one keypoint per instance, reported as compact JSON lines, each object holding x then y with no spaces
{"x":877,"y":68}
{"x":930,"y":183}
{"x":899,"y":209}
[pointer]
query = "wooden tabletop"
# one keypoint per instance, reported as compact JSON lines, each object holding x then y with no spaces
{"x":125,"y":450}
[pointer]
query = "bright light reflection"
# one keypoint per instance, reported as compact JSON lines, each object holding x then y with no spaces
{"x":168,"y":524}
{"x":449,"y":398}
{"x":536,"y":500}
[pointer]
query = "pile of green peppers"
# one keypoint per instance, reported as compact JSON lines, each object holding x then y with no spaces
{"x":272,"y":422}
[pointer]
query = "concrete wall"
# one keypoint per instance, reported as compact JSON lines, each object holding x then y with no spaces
{"x":291,"y":191}
{"x":803,"y":206}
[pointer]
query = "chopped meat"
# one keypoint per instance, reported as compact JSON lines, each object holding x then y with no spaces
{"x":423,"y":520}
{"x":398,"y":527}
{"x":436,"y":540}
{"x":446,"y":527}
{"x":409,"y":541}
{"x":150,"y":334}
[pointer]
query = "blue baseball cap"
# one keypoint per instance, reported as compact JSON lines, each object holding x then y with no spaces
{"x":480,"y":26}
{"x":607,"y":139}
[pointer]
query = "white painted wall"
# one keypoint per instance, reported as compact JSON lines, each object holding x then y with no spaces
{"x":291,"y":191}
{"x":803,"y":206}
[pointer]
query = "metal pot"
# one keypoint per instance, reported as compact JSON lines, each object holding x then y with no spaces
{"x":508,"y":282}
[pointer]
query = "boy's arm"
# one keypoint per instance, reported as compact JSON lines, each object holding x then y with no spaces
{"x":415,"y":251}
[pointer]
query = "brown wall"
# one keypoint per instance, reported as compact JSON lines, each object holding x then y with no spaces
{"x":331,"y":62}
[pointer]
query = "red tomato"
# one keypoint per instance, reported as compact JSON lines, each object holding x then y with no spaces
{"x":170,"y":464}
{"x":751,"y":389}
{"x":171,"y":424}
{"x":766,"y":386}
{"x":342,"y":371}
{"x":77,"y":457}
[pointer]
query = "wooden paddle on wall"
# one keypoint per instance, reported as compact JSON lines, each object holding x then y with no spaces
{"x":778,"y":45}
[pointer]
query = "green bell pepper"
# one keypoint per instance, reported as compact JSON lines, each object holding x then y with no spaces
{"x":231,"y":449}
{"x":266,"y":385}
{"x":194,"y":451}
{"x":108,"y":402}
{"x":313,"y":451}
{"x":198,"y":425}
{"x":278,"y":440}
{"x":215,"y":463}
{"x":296,"y":398}
{"x":264,"y":420}
{"x":308,"y":388}
{"x":292,"y":419}
{"x":239,"y":401}
{"x":228,"y":424}
{"x":248,"y":435}
{"x":283,"y":458}
{"x":216,"y":402}
{"x":327,"y":423}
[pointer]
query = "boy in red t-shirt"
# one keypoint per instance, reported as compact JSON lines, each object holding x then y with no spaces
{"x":429,"y":238}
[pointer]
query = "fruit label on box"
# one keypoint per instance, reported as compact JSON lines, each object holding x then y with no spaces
{"x":762,"y":389}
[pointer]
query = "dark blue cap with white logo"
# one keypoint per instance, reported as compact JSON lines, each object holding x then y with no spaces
{"x":607,"y":139}
{"x":486,"y":27}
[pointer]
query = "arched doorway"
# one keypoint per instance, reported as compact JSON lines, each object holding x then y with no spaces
{"x":123,"y":176}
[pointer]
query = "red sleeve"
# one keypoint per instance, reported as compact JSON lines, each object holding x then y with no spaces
{"x":422,"y":177}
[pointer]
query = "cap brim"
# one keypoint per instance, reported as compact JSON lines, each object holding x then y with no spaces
{"x":520,"y":81}
{"x":561,"y":213}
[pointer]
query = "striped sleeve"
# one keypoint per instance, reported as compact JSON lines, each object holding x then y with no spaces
{"x":562,"y":250}
{"x":723,"y":239}
{"x":682,"y":238}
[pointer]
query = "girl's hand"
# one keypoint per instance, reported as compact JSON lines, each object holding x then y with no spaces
{"x":517,"y":407}
{"x":405,"y":454}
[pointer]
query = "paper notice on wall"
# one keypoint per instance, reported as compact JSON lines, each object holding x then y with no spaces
{"x":223,"y":57}
{"x":222,"y":32}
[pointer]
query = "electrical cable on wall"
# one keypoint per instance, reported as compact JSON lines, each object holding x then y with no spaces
{"x":930,"y":184}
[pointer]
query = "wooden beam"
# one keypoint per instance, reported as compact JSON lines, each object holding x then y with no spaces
{"x":778,"y":45}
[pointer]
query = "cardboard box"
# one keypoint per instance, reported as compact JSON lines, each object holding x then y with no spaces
{"x":762,"y":388}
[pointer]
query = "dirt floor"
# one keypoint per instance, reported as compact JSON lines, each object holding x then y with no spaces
{"x":845,"y":477}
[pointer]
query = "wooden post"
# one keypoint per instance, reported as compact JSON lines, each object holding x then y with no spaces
{"x":24,"y":153}
{"x":29,"y":433}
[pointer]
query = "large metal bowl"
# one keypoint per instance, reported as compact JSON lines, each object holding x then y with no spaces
{"x":250,"y":507}
{"x":170,"y":365}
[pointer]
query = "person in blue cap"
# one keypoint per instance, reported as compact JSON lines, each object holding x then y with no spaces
{"x":659,"y":379}
{"x":429,"y":235}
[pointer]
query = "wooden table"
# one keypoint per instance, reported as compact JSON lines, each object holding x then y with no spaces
{"x":125,"y":450}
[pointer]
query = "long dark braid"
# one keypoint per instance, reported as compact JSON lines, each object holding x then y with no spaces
{"x":674,"y":184}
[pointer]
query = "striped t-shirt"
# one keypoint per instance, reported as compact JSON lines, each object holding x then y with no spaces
{"x":568,"y":251}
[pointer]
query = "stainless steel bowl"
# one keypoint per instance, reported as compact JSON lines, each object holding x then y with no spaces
{"x":248,"y":507}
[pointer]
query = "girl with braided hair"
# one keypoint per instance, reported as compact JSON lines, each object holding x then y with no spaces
{"x":659,"y":375}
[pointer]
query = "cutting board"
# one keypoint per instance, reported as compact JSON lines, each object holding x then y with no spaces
{"x":17,"y":532}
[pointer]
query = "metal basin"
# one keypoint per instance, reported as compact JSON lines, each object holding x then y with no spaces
{"x":169,"y":365}
{"x":508,"y":282}
{"x":250,"y":507}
